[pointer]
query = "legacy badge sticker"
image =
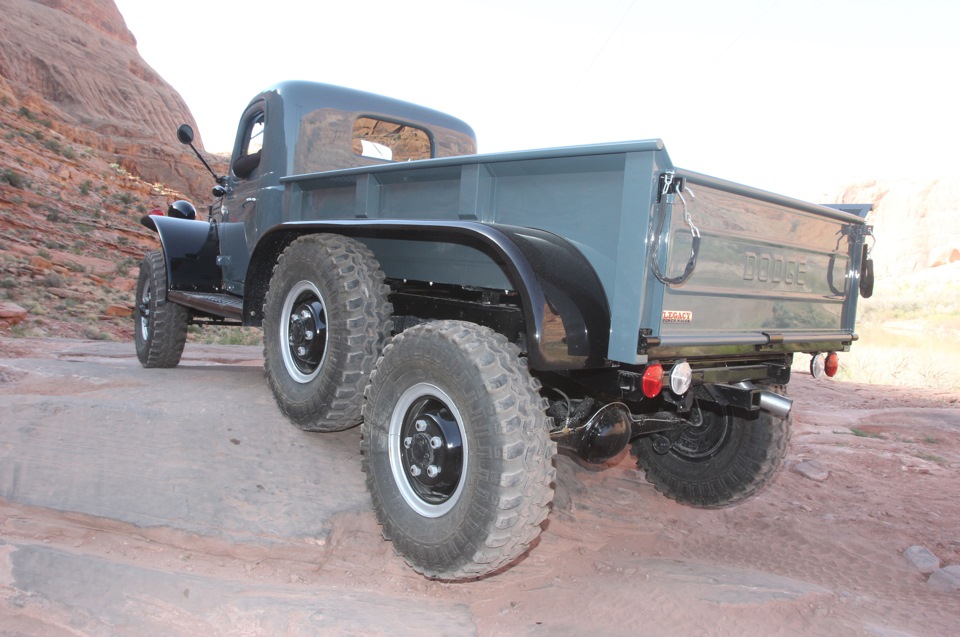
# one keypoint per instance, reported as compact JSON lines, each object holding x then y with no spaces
{"x":677,"y":316}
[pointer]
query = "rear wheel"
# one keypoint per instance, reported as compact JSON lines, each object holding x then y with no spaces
{"x":456,"y":450}
{"x":160,"y":327}
{"x":728,"y":458}
{"x":326,"y":319}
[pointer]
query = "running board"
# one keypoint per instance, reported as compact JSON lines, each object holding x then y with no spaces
{"x":217,"y":304}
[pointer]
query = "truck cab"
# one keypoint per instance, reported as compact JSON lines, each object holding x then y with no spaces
{"x":296,"y":128}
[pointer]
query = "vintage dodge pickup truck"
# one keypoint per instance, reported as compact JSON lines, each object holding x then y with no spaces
{"x":474,"y":313}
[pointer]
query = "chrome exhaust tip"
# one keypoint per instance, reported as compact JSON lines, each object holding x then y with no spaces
{"x":771,"y":402}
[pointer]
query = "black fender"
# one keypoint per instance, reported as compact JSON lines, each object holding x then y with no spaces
{"x":565,"y":310}
{"x":190,"y":250}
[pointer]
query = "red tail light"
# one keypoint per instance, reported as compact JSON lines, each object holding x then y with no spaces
{"x":831,"y":365}
{"x":652,"y":381}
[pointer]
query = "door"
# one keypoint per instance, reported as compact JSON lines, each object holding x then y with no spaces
{"x":239,"y":228}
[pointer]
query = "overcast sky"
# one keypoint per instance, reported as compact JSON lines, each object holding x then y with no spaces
{"x":793,"y":97}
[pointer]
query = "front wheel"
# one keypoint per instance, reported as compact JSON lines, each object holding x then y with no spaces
{"x":727,"y":458}
{"x":160,"y":327}
{"x":456,"y":450}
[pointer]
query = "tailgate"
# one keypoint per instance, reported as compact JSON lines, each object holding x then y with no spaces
{"x":772,"y":273}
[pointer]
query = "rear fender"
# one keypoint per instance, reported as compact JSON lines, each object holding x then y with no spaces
{"x":190,"y":250}
{"x":565,"y":311}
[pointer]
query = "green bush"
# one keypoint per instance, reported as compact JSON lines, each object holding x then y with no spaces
{"x":13,"y":178}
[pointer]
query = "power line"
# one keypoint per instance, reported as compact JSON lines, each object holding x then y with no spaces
{"x":603,"y":46}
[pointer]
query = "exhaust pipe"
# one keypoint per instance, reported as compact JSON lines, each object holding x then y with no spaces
{"x":776,"y":404}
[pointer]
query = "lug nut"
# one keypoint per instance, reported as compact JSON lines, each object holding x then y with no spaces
{"x":436,"y":442}
{"x":308,"y":335}
{"x":407,"y":442}
{"x":433,"y":470}
{"x":414,"y":471}
{"x":301,"y":351}
{"x":421,"y":425}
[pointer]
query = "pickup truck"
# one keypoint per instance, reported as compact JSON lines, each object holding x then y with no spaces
{"x":477,"y":313}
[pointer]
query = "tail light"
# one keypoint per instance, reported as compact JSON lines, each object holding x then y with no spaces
{"x":681,"y":377}
{"x":825,"y":365}
{"x":832,"y":364}
{"x":652,"y":380}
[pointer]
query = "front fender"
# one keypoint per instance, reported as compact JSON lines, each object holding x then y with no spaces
{"x":566,"y":313}
{"x":190,"y":250}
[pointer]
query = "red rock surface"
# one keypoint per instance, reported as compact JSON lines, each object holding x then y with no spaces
{"x":11,"y":314}
{"x":87,"y":146}
{"x":75,"y":64}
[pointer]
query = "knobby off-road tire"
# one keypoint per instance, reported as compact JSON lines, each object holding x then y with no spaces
{"x":326,"y":319}
{"x":160,"y":327}
{"x":456,"y":450}
{"x":729,"y":459}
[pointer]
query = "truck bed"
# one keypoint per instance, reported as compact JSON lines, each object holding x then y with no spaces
{"x":772,"y":274}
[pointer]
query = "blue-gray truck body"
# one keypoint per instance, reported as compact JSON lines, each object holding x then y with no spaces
{"x":403,"y":282}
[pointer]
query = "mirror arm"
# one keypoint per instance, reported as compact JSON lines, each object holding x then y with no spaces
{"x":185,"y":135}
{"x":200,"y":157}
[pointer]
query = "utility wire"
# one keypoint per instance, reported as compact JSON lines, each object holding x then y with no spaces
{"x":603,"y":46}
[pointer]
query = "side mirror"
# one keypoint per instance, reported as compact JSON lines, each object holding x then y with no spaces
{"x":185,"y":134}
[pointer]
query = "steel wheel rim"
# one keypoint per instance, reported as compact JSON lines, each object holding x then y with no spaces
{"x":144,"y":309}
{"x":429,"y":474}
{"x":704,"y":443}
{"x":303,"y":332}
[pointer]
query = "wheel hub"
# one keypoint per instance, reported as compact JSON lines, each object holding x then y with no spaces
{"x":431,"y":450}
{"x":702,"y":443}
{"x":307,"y":334}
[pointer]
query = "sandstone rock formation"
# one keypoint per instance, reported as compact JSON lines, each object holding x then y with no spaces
{"x":915,"y":222}
{"x":75,"y":63}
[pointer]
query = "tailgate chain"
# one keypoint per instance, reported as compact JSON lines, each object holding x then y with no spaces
{"x":668,"y":190}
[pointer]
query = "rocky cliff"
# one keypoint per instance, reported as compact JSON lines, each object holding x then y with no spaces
{"x":916,"y":223}
{"x":75,"y":63}
{"x":87,"y":146}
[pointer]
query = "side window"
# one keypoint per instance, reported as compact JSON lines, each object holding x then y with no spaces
{"x":390,"y":141}
{"x":250,"y":148}
{"x":255,"y":135}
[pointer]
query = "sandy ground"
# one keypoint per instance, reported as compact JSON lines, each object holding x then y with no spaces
{"x":180,"y":502}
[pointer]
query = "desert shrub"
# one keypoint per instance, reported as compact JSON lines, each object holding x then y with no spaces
{"x":53,"y":280}
{"x":124,"y":198}
{"x":13,"y":178}
{"x":94,"y":334}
